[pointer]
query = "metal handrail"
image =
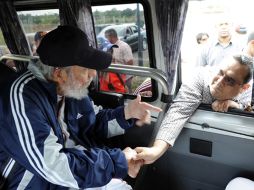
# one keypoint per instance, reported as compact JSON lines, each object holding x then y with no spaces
{"x":155,"y":74}
{"x":26,"y":58}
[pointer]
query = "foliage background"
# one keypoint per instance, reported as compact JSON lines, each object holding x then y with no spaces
{"x":34,"y":23}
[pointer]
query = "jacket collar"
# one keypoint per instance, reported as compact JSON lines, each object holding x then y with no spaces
{"x":50,"y":88}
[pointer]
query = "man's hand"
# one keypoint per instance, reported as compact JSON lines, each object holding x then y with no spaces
{"x":133,"y":165}
{"x":140,"y":110}
{"x":223,"y":105}
{"x":150,"y":155}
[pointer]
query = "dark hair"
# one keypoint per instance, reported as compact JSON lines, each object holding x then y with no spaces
{"x":111,"y":32}
{"x":248,"y":62}
{"x":39,"y":35}
{"x":200,"y":35}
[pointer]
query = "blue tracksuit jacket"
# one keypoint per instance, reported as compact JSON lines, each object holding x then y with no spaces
{"x":32,"y":151}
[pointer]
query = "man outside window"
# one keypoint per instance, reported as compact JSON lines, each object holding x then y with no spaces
{"x":202,"y":38}
{"x":121,"y":55}
{"x":215,"y":51}
{"x":50,"y":129}
{"x":37,"y":40}
{"x":111,"y":81}
{"x":221,"y":91}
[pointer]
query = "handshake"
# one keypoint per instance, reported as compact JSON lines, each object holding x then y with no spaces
{"x":143,"y":155}
{"x":134,"y":164}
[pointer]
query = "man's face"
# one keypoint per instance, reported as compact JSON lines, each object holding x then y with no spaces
{"x":224,"y":29}
{"x":110,"y":38}
{"x":228,"y":83}
{"x":204,"y":39}
{"x":75,"y":82}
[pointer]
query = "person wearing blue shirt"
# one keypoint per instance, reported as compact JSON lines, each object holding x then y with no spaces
{"x":50,"y":128}
{"x":214,"y":52}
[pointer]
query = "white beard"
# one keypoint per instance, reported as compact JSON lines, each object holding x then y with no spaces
{"x":73,"y":88}
{"x":78,"y":94}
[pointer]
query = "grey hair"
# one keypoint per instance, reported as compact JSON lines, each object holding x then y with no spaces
{"x":111,"y":32}
{"x":42,"y":71}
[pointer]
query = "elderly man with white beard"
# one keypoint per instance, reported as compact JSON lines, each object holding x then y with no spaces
{"x":49,"y":127}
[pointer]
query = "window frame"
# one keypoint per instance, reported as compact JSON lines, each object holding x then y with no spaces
{"x":208,"y":107}
{"x":23,"y":6}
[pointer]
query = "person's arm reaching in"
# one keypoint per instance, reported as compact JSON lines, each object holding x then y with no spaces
{"x":223,"y":106}
{"x":149,"y":155}
{"x":188,"y":99}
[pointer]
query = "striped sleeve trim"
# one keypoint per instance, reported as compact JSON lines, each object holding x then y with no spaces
{"x":7,"y":169}
{"x":26,"y":135}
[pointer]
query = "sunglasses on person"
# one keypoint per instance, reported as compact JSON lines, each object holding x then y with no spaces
{"x":229,"y":81}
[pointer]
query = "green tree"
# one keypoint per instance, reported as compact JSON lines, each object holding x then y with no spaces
{"x":127,"y":13}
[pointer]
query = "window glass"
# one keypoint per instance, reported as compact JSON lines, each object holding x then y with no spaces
{"x":4,"y":50}
{"x":2,"y":44}
{"x":134,"y":29}
{"x":129,"y":25}
{"x":124,"y":26}
{"x":203,"y":16}
{"x":213,"y":31}
{"x":37,"y":23}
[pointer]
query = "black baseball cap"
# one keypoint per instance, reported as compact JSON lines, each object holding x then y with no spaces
{"x":68,"y":46}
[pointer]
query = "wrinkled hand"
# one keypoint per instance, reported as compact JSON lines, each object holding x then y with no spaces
{"x":133,"y":165}
{"x":150,"y":155}
{"x":223,"y":105}
{"x":140,"y":110}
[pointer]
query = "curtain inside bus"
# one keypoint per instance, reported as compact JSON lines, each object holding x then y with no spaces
{"x":78,"y":13}
{"x":13,"y":32}
{"x":171,"y":16}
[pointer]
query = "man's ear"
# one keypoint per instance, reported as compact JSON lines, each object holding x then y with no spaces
{"x":58,"y":75}
{"x":245,"y":87}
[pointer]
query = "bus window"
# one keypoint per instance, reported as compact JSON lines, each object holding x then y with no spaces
{"x":2,"y":44}
{"x":213,"y":31}
{"x":4,"y":50}
{"x":124,"y":26}
{"x":36,"y":23}
{"x":122,"y":18}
